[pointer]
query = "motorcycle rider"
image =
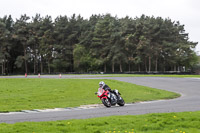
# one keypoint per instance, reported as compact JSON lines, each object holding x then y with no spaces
{"x":105,"y":87}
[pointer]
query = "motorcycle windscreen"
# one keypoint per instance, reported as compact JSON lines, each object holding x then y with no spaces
{"x":100,"y":91}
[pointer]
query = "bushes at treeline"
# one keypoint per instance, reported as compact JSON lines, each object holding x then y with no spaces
{"x":100,"y":43}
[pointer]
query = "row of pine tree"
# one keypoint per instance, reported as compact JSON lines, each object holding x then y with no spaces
{"x":100,"y":43}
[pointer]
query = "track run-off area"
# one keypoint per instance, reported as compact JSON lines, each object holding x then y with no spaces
{"x":189,"y":88}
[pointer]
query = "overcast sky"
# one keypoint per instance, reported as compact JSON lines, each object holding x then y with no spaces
{"x":185,"y":11}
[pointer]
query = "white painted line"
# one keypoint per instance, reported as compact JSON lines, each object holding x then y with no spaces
{"x":10,"y":113}
{"x":29,"y":111}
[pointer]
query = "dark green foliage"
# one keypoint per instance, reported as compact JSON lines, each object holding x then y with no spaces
{"x":5,"y":43}
{"x":100,"y":43}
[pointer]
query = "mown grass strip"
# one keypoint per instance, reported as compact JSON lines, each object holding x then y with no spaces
{"x":28,"y":94}
{"x":186,"y":122}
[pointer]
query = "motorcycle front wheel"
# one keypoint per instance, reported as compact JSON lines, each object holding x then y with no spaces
{"x":121,"y":101}
{"x":106,"y":102}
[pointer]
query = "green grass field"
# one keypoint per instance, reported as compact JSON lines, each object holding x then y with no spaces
{"x":186,"y":122}
{"x":28,"y":94}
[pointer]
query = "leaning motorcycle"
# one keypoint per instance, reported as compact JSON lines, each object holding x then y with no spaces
{"x":110,"y":98}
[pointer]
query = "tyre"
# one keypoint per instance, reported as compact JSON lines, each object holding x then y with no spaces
{"x":121,"y":101}
{"x":106,"y":102}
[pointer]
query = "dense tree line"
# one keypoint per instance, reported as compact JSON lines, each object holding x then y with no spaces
{"x":100,"y":43}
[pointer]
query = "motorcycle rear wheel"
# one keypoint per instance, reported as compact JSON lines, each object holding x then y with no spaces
{"x":106,"y":102}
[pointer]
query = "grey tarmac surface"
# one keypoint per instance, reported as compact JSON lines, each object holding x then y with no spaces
{"x":189,"y":88}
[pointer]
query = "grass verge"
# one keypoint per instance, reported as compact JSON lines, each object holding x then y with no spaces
{"x":185,"y":122}
{"x":28,"y":94}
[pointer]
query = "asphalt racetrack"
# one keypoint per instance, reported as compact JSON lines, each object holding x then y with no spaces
{"x":189,"y":88}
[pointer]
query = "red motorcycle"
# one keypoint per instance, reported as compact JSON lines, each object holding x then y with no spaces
{"x":110,"y":98}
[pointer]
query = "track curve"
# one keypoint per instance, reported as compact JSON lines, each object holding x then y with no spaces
{"x":189,"y":88}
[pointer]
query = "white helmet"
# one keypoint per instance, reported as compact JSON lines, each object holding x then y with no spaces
{"x":101,"y":84}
